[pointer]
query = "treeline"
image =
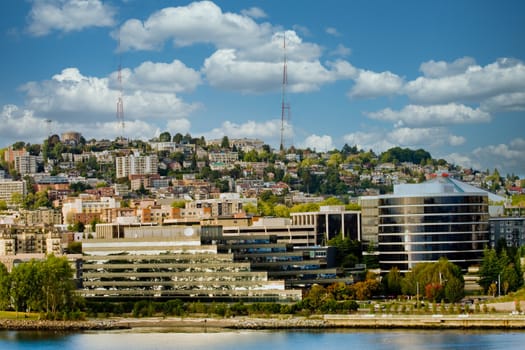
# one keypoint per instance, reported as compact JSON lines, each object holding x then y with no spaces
{"x":44,"y":286}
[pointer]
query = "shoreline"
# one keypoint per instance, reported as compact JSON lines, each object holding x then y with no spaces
{"x":320,"y":322}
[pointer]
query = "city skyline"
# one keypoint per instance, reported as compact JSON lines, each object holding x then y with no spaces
{"x":448,"y":77}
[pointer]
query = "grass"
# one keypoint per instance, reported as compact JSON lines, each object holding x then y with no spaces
{"x":21,"y":315}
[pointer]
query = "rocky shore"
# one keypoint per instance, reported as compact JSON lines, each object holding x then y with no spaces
{"x":60,"y":326}
{"x":503,"y":322}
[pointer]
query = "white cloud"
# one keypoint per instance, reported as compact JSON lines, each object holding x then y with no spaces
{"x":341,"y":50}
{"x":439,"y":69}
{"x":68,"y":15}
{"x":178,"y":126}
{"x":332,"y":31}
{"x":254,"y":12}
{"x":510,"y":157}
{"x":73,"y":96}
{"x":436,"y":115}
{"x":159,"y":77}
{"x":269,"y":131}
{"x":507,"y":158}
{"x":198,"y":22}
{"x":380,"y":141}
{"x":17,"y":124}
{"x":371,"y":84}
{"x":248,"y":57}
{"x":513,"y":102}
{"x":318,"y":143}
{"x":224,"y":69}
{"x":476,"y":83}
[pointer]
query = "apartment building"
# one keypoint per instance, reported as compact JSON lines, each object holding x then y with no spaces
{"x":9,"y":187}
{"x":136,"y":164}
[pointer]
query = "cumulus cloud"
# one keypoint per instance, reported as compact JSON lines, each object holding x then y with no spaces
{"x":70,"y":95}
{"x":475,"y":83}
{"x":341,"y":50}
{"x":178,"y":126}
{"x":68,"y":15}
{"x":332,"y":31}
{"x":269,"y":130}
{"x":254,"y":12}
{"x":507,"y":158}
{"x":435,"y":115}
{"x":439,"y":69}
{"x":380,"y":141}
{"x":318,"y":143}
{"x":19,"y":124}
{"x":512,"y":102}
{"x":371,"y":84}
{"x":224,"y":69}
{"x":248,"y":56}
{"x":159,"y":77}
{"x":198,"y":22}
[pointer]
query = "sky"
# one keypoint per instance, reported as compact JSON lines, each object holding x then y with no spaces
{"x":447,"y":76}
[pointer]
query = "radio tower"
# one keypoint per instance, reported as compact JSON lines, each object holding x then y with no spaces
{"x":285,"y":106}
{"x":120,"y":101}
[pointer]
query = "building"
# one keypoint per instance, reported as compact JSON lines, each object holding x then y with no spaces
{"x":89,"y":206}
{"x":425,"y":222}
{"x":24,"y":239}
{"x":136,"y":164}
{"x":171,"y":262}
{"x":509,"y":229}
{"x":25,"y":164}
{"x":331,"y":221}
{"x":71,"y":138}
{"x":10,"y":187}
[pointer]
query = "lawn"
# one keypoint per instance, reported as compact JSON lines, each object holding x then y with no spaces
{"x":21,"y":315}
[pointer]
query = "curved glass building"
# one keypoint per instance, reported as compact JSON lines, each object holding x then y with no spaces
{"x":424,"y":222}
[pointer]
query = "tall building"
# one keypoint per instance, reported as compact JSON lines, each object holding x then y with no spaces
{"x":331,"y":221}
{"x":25,"y":164}
{"x":427,"y":221}
{"x":136,"y":165}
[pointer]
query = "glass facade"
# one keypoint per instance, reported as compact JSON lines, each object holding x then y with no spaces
{"x":415,"y":229}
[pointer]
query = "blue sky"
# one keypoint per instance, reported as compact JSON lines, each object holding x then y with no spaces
{"x":446,"y":76}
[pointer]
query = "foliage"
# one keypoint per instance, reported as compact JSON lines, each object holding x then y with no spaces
{"x":438,"y":280}
{"x":348,"y":251}
{"x":400,"y":155}
{"x":44,"y":286}
{"x":178,"y":204}
{"x":499,"y":267}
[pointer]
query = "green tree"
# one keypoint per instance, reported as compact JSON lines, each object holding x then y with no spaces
{"x":57,"y":286}
{"x":392,"y":282}
{"x":4,"y":287}
{"x":165,"y":137}
{"x":225,"y":143}
{"x":489,"y":269}
{"x":3,"y":205}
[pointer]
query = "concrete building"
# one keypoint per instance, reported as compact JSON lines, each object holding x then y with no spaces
{"x":136,"y":164}
{"x":85,"y":204}
{"x":331,"y":221}
{"x":424,"y":222}
{"x":170,"y":262}
{"x":25,"y":164}
{"x":23,"y":239}
{"x":9,"y":187}
{"x":509,"y":229}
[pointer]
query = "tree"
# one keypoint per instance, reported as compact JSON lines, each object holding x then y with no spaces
{"x":225,"y":143}
{"x":489,"y":269}
{"x":165,"y":137}
{"x":3,"y":205}
{"x":392,"y":282}
{"x":57,"y":286}
{"x":4,"y":287}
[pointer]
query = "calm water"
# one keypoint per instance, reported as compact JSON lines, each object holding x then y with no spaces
{"x":347,"y":339}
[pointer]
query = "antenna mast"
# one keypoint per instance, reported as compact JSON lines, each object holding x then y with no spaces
{"x":285,"y":106}
{"x":120,"y":101}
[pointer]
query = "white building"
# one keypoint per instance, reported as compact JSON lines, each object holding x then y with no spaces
{"x":136,"y":164}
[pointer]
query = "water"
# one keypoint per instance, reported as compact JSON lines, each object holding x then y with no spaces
{"x":275,"y":340}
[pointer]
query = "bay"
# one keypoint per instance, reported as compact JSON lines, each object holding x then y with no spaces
{"x":155,"y":338}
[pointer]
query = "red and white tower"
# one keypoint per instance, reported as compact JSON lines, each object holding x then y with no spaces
{"x":285,"y":106}
{"x":120,"y":100}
